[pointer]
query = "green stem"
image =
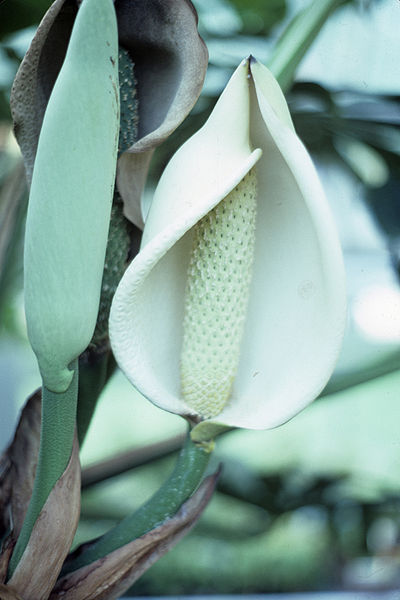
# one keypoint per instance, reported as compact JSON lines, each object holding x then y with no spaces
{"x":297,"y":38}
{"x":56,"y":439}
{"x":130,"y":459}
{"x":164,"y":504}
{"x":94,"y":373}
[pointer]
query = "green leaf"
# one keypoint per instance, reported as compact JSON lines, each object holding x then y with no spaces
{"x":297,"y":38}
{"x":366,"y":162}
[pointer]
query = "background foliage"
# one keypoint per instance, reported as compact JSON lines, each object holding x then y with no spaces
{"x":314,"y":504}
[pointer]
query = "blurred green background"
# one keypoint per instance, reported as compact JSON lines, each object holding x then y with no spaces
{"x":314,"y":504}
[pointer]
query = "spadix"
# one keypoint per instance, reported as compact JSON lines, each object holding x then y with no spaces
{"x":216,"y":298}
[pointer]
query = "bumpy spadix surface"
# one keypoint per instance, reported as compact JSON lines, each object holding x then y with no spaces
{"x":216,"y":298}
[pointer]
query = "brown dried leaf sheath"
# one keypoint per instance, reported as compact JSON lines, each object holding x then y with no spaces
{"x":36,"y":77}
{"x":7,"y":593}
{"x":18,"y":467}
{"x":37,"y":571}
{"x":109,"y":577}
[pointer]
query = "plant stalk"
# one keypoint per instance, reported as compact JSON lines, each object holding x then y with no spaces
{"x":164,"y":504}
{"x":56,"y":440}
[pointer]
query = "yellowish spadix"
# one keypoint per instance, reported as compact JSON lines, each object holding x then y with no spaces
{"x":216,"y":298}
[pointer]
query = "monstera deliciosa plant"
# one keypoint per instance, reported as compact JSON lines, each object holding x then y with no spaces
{"x":231,"y":311}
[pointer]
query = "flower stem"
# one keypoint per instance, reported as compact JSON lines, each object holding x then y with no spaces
{"x":56,"y":439}
{"x":165,"y":503}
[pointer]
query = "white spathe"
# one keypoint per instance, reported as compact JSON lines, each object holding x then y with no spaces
{"x":296,"y":313}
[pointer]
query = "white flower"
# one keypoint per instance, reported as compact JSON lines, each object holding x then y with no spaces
{"x":257,"y":312}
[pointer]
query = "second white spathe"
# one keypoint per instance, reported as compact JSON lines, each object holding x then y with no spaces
{"x":296,"y":312}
